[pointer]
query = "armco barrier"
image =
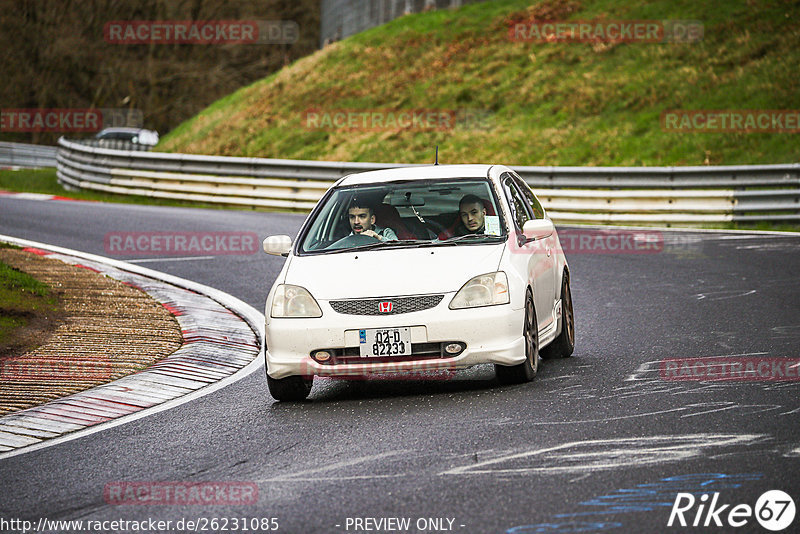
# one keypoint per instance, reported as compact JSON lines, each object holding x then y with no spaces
{"x":619,"y":195}
{"x":27,"y":156}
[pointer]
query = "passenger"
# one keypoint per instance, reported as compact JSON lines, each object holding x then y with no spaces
{"x":362,"y":222}
{"x":472,"y":212}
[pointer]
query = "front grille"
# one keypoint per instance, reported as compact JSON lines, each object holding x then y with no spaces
{"x":399,"y":305}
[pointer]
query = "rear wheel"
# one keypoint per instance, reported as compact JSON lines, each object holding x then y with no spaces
{"x":564,"y":344}
{"x":291,"y":388}
{"x":524,"y":372}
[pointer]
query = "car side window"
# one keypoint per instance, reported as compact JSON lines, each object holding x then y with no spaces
{"x":520,"y":210}
{"x":536,"y":206}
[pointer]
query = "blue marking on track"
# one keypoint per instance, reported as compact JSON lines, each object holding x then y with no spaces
{"x":641,"y":498}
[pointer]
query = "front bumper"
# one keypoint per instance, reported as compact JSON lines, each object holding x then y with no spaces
{"x":492,"y":334}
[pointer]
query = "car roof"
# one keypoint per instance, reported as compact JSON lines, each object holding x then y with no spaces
{"x":123,"y":129}
{"x":120,"y":129}
{"x":417,"y":172}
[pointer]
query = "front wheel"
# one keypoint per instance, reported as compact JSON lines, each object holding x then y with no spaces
{"x":564,"y":344}
{"x":524,"y":372}
{"x":291,"y":388}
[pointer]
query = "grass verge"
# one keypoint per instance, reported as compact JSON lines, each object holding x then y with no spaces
{"x":26,"y":305}
{"x":536,"y":103}
{"x":44,"y":181}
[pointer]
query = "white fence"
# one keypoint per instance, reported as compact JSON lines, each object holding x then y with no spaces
{"x":27,"y":156}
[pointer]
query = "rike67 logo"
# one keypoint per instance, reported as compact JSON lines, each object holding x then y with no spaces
{"x":774,"y":510}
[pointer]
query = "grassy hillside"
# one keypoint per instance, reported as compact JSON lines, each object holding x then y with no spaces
{"x":543,"y":103}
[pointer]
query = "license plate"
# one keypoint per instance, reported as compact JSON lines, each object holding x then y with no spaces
{"x":383,"y":342}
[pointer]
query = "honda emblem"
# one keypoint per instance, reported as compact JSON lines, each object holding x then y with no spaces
{"x":385,"y":307}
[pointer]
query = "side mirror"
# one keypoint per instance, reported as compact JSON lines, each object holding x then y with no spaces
{"x":277,"y":245}
{"x":538,"y":229}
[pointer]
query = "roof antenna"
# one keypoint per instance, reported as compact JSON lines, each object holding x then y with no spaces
{"x":437,"y":156}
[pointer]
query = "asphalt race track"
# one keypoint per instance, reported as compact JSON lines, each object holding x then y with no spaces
{"x":600,"y":441}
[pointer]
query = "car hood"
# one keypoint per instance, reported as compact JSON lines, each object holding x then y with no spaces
{"x":392,"y":272}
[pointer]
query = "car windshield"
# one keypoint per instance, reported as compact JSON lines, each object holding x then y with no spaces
{"x":405,"y":214}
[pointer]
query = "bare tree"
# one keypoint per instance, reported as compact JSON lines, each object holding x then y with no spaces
{"x":54,"y":56}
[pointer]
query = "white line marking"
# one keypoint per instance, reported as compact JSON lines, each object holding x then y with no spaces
{"x":180,"y":258}
{"x":653,"y":366}
{"x":734,"y":293}
{"x":339,"y":465}
{"x":32,"y":196}
{"x":723,"y":407}
{"x":739,"y":237}
{"x":731,"y":231}
{"x":609,"y":454}
{"x":333,"y":478}
{"x":606,"y":419}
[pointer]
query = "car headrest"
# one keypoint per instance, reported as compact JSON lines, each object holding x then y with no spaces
{"x":387,"y":215}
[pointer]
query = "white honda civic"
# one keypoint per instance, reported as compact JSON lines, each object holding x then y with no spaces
{"x":418,"y":269}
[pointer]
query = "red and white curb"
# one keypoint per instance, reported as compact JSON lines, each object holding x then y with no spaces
{"x":37,"y":196}
{"x":222,"y":339}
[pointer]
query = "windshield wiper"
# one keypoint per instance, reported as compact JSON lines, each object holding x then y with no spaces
{"x":411,"y":242}
{"x":469,"y":236}
{"x":378,"y":244}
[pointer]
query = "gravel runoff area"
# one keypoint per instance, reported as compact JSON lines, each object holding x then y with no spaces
{"x":108,"y":330}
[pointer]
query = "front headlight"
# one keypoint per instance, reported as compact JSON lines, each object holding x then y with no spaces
{"x":294,"y":301}
{"x":484,"y":290}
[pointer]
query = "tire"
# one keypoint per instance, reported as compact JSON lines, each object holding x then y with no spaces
{"x":563,"y":345}
{"x":291,"y":388}
{"x":524,"y":372}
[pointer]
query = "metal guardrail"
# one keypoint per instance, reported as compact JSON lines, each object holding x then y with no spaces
{"x":26,"y":155}
{"x":664,"y":195}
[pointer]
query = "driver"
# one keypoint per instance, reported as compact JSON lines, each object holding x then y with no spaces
{"x":362,"y":222}
{"x":472,"y":212}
